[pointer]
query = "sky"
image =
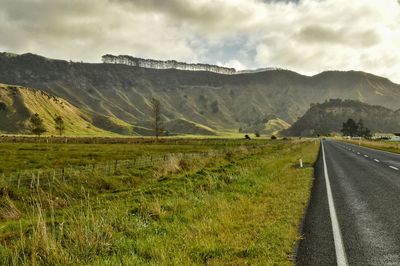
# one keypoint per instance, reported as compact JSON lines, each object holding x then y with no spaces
{"x":307,"y":36}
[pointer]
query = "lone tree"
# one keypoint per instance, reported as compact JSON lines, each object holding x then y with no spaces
{"x":156,"y":116}
{"x":36,"y":125}
{"x":59,"y":124}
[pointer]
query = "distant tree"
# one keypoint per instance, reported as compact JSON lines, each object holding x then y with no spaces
{"x":3,"y":106}
{"x":350,"y":128}
{"x":362,"y":130}
{"x":214,"y":107}
{"x":367,"y":133}
{"x":257,"y":134}
{"x":36,"y":125}
{"x":247,"y":137}
{"x":59,"y":124}
{"x":156,"y":116}
{"x":360,"y":127}
{"x":273,"y":137}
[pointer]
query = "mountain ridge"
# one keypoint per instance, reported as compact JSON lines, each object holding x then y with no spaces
{"x":217,"y":101}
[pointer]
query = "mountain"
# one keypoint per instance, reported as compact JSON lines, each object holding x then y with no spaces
{"x":17,"y":104}
{"x":328,"y":117}
{"x":222,"y":103}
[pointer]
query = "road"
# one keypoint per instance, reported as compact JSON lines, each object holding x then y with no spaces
{"x":354,"y":212}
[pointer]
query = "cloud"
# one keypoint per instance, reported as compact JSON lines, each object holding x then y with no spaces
{"x":308,"y":36}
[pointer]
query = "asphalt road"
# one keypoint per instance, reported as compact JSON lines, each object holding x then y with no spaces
{"x":354,"y":213}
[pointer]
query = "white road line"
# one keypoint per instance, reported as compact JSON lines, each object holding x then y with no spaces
{"x":376,"y":150}
{"x":366,"y":156}
{"x":376,"y":160}
{"x":337,"y":236}
{"x":395,"y":168}
{"x":358,"y":153}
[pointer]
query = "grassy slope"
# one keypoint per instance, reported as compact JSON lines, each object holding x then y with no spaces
{"x":47,"y":106}
{"x":272,"y":127}
{"x":188,"y":127}
{"x":242,"y":207}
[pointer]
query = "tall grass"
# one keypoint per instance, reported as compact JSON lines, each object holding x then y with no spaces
{"x":233,"y":208}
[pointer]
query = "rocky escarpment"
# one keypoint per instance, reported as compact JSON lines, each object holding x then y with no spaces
{"x":158,"y":64}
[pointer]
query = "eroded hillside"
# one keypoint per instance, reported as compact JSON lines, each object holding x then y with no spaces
{"x":17,"y":104}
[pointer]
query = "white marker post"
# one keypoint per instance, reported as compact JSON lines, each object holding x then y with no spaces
{"x":301,"y":162}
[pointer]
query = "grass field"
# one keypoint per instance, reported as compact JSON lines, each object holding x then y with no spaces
{"x":237,"y":203}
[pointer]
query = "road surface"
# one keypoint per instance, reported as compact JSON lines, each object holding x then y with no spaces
{"x":354,"y":213}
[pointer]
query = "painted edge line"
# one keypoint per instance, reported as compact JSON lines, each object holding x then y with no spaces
{"x":367,"y":148}
{"x":341,"y":258}
{"x":395,"y":168}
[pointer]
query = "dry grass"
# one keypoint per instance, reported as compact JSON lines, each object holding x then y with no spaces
{"x":378,"y":144}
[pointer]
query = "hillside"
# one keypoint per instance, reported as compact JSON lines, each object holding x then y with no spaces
{"x":219,"y":102}
{"x":327,"y":117}
{"x":182,"y":126}
{"x":269,"y":126}
{"x":17,"y":104}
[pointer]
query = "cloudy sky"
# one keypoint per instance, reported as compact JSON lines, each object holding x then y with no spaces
{"x":307,"y":36}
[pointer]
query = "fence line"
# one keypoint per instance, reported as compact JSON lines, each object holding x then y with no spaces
{"x":33,"y":178}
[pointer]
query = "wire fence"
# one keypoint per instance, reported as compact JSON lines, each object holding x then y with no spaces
{"x":43,"y":177}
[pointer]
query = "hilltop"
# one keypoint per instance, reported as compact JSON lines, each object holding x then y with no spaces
{"x":222,"y":103}
{"x":327,"y":118}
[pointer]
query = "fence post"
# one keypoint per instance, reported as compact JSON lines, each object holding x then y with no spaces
{"x":19,"y":180}
{"x":63,"y":174}
{"x":33,"y":178}
{"x":37,"y":181}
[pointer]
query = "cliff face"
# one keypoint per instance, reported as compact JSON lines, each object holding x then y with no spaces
{"x":220,"y":102}
{"x":157,"y":64}
{"x":328,"y":118}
